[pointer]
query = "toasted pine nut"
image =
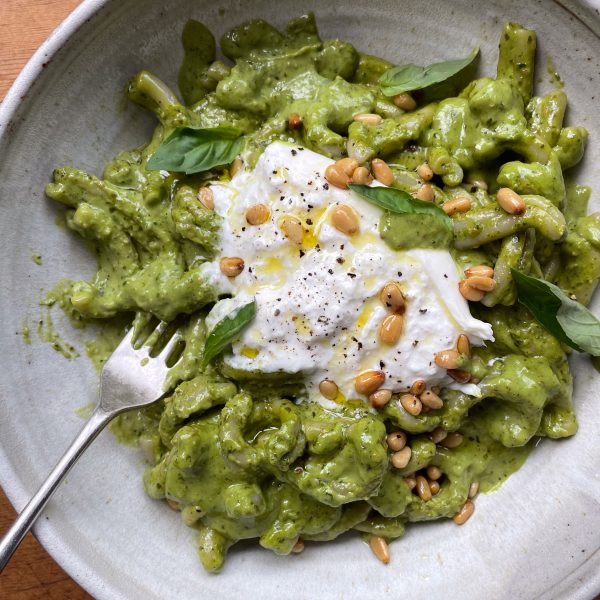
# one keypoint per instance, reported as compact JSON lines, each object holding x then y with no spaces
{"x":380,"y":398}
{"x":437,"y":435}
{"x":345,"y":219}
{"x":206,"y":198}
{"x":433,"y":472}
{"x":382,"y":172}
{"x":292,"y":229}
{"x":380,"y":548}
{"x":401,"y":458}
{"x":368,"y":382}
{"x":418,"y":387}
{"x":368,"y":118}
{"x":235,"y":167}
{"x":510,"y":201}
{"x":362,"y":175}
{"x":434,"y":487}
{"x":410,"y":481}
{"x":482,"y":270}
{"x":425,"y":193}
{"x":336,"y":176}
{"x":390,"y":330}
{"x":328,"y":389}
{"x":391,"y":297}
{"x":460,"y":204}
{"x":411,"y":404}
{"x":473,"y":489}
{"x":431,"y":400}
{"x":173,"y":504}
{"x":424,"y":172}
{"x":404,"y":101}
{"x":479,"y":282}
{"x":257,"y":214}
{"x":462,"y":516}
{"x":347,"y":165}
{"x":459,"y":375}
{"x":452,"y":440}
{"x":231,"y":266}
{"x":423,"y":488}
{"x":463,"y":345}
{"x":468,"y":292}
{"x":396,"y":440}
{"x":447,"y":359}
{"x":298,"y":547}
{"x":294,"y":121}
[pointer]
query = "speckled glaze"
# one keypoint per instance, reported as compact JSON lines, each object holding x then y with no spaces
{"x":535,"y":538}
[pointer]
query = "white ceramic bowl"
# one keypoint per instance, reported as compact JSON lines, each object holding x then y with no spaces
{"x":536,"y":537}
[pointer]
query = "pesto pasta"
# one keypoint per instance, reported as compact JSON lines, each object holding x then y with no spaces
{"x":407,"y":405}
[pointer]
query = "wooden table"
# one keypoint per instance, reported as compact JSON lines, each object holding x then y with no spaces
{"x":32,"y":574}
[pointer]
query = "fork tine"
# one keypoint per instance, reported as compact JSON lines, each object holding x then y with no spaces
{"x":127,"y":339}
{"x":156,"y":334}
{"x":169,"y":347}
{"x":126,"y":346}
{"x":162,"y":327}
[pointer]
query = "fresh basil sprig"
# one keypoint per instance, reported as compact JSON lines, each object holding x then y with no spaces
{"x":567,"y":320}
{"x":407,"y":78}
{"x":400,"y":202}
{"x":226,"y":330}
{"x":188,"y":150}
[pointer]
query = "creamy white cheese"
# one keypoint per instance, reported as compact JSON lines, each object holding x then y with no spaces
{"x":318,"y":310}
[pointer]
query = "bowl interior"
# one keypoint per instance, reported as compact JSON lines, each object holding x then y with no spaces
{"x":535,"y":537}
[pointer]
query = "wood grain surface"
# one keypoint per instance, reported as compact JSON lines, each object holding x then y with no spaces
{"x":31,"y":574}
{"x":24,"y":25}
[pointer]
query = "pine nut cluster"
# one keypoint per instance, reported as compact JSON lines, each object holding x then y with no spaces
{"x":419,"y":400}
{"x":347,"y":170}
{"x":454,"y":359}
{"x":479,"y":280}
{"x":427,"y":482}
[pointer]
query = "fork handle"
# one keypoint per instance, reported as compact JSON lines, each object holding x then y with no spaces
{"x":31,"y":512}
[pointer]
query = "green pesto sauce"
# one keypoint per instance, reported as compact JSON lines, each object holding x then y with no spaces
{"x":85,"y":411}
{"x":106,"y":338}
{"x":552,"y":71}
{"x":48,"y":333}
{"x":106,"y":334}
{"x":503,"y":463}
{"x":26,"y":333}
{"x":234,"y":454}
{"x":403,"y":232}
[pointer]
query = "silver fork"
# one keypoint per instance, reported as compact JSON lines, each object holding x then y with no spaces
{"x":129,"y":379}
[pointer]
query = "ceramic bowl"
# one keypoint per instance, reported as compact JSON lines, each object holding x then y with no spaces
{"x":537,"y":537}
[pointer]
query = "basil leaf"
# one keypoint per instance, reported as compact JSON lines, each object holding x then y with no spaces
{"x":188,"y":150}
{"x":407,"y":78}
{"x":567,"y":320}
{"x":226,"y":330}
{"x":399,"y":202}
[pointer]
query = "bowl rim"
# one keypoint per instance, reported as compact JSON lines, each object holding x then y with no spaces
{"x":17,"y":495}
